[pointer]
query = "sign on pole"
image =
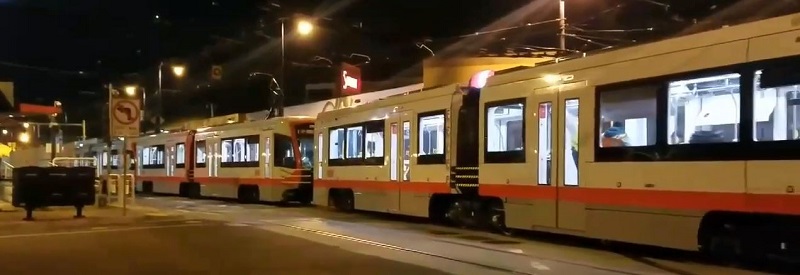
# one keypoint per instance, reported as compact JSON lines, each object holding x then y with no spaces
{"x":216,"y":72}
{"x":124,"y":117}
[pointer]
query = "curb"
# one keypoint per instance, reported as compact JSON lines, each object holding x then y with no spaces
{"x":149,"y":211}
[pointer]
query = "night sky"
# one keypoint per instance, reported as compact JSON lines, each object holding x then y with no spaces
{"x":66,"y":50}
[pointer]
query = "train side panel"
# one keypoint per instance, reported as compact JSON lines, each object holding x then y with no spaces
{"x":411,"y":167}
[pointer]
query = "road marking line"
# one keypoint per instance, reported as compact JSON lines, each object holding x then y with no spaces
{"x":16,"y":236}
{"x":539,"y":266}
{"x":99,"y":228}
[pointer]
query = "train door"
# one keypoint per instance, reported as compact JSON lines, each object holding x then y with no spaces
{"x":267,"y":155}
{"x":545,"y":211}
{"x":407,"y":200}
{"x":215,"y":158}
{"x":570,"y":211}
{"x":395,"y":150}
{"x":170,"y":160}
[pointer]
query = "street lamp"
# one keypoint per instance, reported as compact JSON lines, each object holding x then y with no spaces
{"x":5,"y":132}
{"x":179,"y":71}
{"x":130,"y":90}
{"x":562,"y":25}
{"x":304,"y":28}
{"x":24,"y":137}
{"x":26,"y":125}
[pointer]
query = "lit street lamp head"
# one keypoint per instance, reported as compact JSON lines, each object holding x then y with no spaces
{"x":178,"y":70}
{"x":304,"y":27}
{"x":130,"y":90}
{"x":24,"y":137}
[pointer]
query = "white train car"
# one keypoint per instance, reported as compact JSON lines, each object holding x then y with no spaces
{"x":163,"y":161}
{"x":262,"y":160}
{"x":98,"y":149}
{"x":686,"y":143}
{"x":387,"y":155}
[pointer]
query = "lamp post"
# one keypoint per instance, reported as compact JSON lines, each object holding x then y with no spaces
{"x":131,"y":92}
{"x":562,"y":25}
{"x":304,"y":28}
{"x":178,"y":71}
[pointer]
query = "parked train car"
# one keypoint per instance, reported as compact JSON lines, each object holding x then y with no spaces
{"x":98,"y":149}
{"x":683,"y":143}
{"x":163,"y":160}
{"x":262,"y":160}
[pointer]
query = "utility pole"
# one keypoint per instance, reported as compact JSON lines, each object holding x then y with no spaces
{"x":562,"y":25}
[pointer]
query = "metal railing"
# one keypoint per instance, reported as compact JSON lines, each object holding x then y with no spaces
{"x":74,"y":162}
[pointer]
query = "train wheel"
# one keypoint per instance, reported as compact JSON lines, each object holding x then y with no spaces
{"x":194,"y":190}
{"x":342,"y":200}
{"x":723,"y":244}
{"x":493,"y":215}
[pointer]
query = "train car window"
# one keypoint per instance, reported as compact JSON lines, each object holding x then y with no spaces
{"x":545,"y":142}
{"x":704,"y":110}
{"x":200,"y":159}
{"x":355,"y":142}
{"x":336,"y":144}
{"x":406,"y":150}
{"x":628,"y":117}
{"x":571,"y":134}
{"x":114,"y":159}
{"x":776,"y":104}
{"x":251,"y":153}
{"x":320,"y":155}
{"x":240,"y":151}
{"x":267,"y":157}
{"x":153,"y":157}
{"x":374,"y":142}
{"x":306,"y":143}
{"x":430,"y":136}
{"x":284,"y":151}
{"x":180,"y":155}
{"x":226,"y":151}
{"x":504,"y":131}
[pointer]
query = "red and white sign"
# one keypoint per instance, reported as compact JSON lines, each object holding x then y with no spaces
{"x":349,"y":82}
{"x":124,"y":117}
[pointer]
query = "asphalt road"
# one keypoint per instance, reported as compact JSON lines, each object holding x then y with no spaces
{"x":142,"y":245}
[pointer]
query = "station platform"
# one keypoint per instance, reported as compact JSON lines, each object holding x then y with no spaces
{"x":146,"y":242}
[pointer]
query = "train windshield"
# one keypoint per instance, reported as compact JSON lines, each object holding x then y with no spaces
{"x":306,"y":143}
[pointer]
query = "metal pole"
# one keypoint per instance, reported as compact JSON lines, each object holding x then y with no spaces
{"x":83,"y":129}
{"x":160,"y":98}
{"x":53,"y":136}
{"x":102,"y":158}
{"x":283,"y":67}
{"x":144,"y":104}
{"x":123,"y":184}
{"x":562,"y":24}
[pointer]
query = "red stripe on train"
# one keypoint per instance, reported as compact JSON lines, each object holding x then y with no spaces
{"x":666,"y":200}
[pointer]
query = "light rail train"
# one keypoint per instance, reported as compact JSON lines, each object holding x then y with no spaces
{"x":688,"y":143}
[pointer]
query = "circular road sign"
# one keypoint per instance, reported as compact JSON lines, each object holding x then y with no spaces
{"x":126,"y":112}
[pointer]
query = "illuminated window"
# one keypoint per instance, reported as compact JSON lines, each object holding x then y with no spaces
{"x":628,"y":117}
{"x":776,"y":104}
{"x":704,"y":110}
{"x":355,"y":142}
{"x":180,"y":155}
{"x":504,"y":128}
{"x":336,"y":141}
{"x":431,"y":135}
{"x":200,"y":159}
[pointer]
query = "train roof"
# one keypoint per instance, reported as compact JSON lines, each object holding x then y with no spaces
{"x":259,"y":123}
{"x":395,"y":100}
{"x":722,"y":35}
